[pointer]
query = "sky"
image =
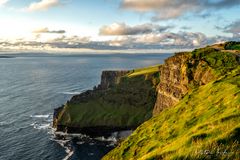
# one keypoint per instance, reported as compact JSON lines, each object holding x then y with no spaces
{"x":116,"y":26}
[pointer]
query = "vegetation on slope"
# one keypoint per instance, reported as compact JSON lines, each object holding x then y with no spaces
{"x":126,"y":104}
{"x":204,"y":125}
{"x":144,"y":71}
{"x":150,"y":73}
{"x":232,"y":45}
{"x":220,"y":62}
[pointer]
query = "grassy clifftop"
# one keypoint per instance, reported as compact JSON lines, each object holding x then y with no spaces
{"x":204,"y":125}
{"x":124,"y":105}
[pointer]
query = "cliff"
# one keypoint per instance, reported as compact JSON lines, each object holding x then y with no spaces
{"x":117,"y":103}
{"x":193,"y":99}
{"x":197,"y":109}
{"x":111,"y":78}
{"x":186,"y":71}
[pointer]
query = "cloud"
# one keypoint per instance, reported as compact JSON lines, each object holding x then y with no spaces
{"x":233,"y":28}
{"x":73,"y":40}
{"x":181,"y":39}
{"x":167,"y":41}
{"x":170,"y":9}
{"x":121,"y":41}
{"x":123,"y":29}
{"x":42,"y":5}
{"x":3,"y":2}
{"x":46,"y":30}
{"x":162,"y":41}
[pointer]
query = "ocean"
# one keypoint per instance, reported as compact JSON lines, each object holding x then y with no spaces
{"x":32,"y":85}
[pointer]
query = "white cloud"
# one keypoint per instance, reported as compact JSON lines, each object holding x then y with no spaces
{"x":46,"y":30}
{"x":146,"y":41}
{"x":170,"y":9}
{"x":120,"y":41}
{"x":3,"y":2}
{"x":73,"y":40}
{"x":123,"y":29}
{"x":42,"y":5}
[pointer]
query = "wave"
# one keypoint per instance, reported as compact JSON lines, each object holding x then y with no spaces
{"x":71,"y":135}
{"x":71,"y":93}
{"x":41,"y":126}
{"x":67,"y":146}
{"x":75,"y":92}
{"x":65,"y":143}
{"x":41,"y":116}
{"x":70,"y":153}
{"x":115,"y":136}
{"x":108,"y":139}
{"x":42,"y":121}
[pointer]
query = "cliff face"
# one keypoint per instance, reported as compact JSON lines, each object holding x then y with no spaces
{"x":173,"y":82}
{"x":108,"y":80}
{"x":111,"y":78}
{"x":178,"y":75}
{"x":186,"y":71}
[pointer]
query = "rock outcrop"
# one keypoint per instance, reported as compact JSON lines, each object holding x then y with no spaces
{"x":188,"y":70}
{"x":173,"y":82}
{"x":178,"y":75}
{"x":108,"y":80}
{"x":111,"y":78}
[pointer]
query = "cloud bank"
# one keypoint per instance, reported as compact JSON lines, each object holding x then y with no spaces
{"x":146,"y":42}
{"x":171,"y":9}
{"x":123,"y":29}
{"x":46,"y":30}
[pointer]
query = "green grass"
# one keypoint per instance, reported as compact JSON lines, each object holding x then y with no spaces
{"x":144,"y":71}
{"x":127,"y":104}
{"x":204,"y":125}
{"x":98,"y":113}
{"x":221,"y":62}
{"x":232,"y":46}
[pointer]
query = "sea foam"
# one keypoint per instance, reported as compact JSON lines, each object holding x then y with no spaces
{"x":41,"y":116}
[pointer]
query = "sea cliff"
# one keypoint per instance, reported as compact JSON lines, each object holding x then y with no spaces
{"x":186,"y":103}
{"x":197,"y":111}
{"x":117,"y":103}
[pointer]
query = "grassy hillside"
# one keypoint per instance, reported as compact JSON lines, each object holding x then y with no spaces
{"x":232,"y":46}
{"x":144,"y":71}
{"x":219,"y":61}
{"x":127,"y":104}
{"x":204,"y":125}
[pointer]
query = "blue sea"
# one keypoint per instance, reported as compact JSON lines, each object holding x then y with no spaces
{"x":32,"y":85}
